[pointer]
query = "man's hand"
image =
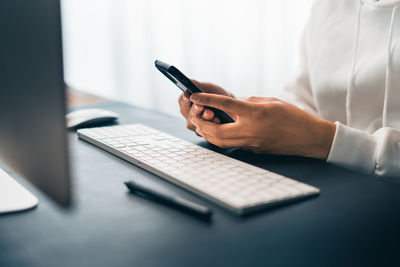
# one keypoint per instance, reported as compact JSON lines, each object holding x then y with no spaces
{"x":189,"y":110}
{"x":265,"y":125}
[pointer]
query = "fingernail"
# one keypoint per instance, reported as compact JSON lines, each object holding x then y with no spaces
{"x":207,"y":114}
{"x":193,"y":121}
{"x":196,"y":107}
{"x":194,"y":97}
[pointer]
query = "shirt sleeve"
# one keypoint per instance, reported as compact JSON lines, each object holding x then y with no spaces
{"x":377,"y":153}
{"x":299,"y":92}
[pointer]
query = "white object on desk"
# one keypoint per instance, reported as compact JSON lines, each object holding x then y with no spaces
{"x":234,"y":184}
{"x":83,"y":117}
{"x":14,"y":197}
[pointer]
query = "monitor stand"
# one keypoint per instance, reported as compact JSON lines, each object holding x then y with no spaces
{"x":14,"y":197}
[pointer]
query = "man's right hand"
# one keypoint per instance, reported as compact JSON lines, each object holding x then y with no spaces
{"x":190,"y":110}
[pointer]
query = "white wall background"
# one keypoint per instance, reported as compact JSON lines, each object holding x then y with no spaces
{"x":249,"y":47}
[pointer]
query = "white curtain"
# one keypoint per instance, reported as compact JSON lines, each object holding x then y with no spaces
{"x":249,"y":47}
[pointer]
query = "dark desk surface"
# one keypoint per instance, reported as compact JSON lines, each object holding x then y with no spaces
{"x":355,"y":221}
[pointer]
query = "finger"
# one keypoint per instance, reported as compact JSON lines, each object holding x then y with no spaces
{"x":220,"y":131}
{"x":208,"y":115}
{"x":184,"y":106}
{"x":223,"y":143}
{"x":216,"y":120}
{"x":190,"y":126}
{"x":221,"y":102}
{"x":186,"y":96}
{"x":196,"y":110}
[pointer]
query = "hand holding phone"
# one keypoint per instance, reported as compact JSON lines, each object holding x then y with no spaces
{"x":184,"y":83}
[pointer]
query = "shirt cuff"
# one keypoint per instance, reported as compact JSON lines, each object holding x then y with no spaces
{"x":353,"y":149}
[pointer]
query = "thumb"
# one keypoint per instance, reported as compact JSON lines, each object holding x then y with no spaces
{"x":221,"y":102}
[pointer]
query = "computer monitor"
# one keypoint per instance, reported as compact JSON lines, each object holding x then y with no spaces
{"x":32,"y":101}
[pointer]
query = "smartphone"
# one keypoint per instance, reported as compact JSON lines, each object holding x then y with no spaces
{"x":184,"y":83}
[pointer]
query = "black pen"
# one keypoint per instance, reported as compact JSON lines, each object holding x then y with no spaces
{"x":176,"y":202}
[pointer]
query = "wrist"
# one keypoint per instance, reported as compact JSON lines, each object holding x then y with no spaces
{"x":323,"y":137}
